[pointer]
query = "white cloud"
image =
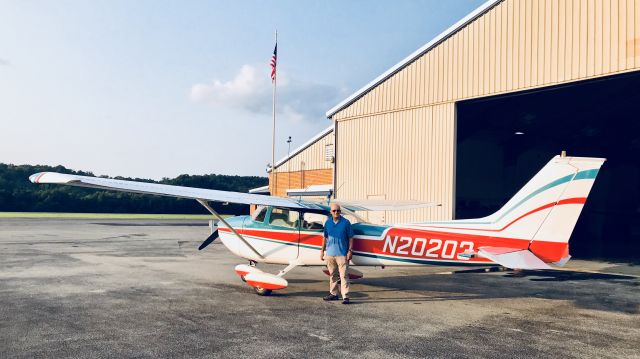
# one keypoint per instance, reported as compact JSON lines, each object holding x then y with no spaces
{"x":251,"y":91}
{"x":4,"y":62}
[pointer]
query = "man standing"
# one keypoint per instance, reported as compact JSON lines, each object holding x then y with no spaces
{"x":338,"y":244}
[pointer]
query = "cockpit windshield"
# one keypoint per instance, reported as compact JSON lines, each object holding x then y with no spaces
{"x":353,"y":218}
{"x":259,"y":214}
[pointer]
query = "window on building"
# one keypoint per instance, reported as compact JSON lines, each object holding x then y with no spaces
{"x":328,"y":152}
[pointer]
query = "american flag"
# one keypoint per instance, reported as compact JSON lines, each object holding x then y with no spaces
{"x":273,"y":62}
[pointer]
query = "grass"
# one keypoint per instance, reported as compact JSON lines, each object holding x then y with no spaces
{"x":103,"y":215}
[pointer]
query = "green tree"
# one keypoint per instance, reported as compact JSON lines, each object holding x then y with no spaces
{"x":18,"y":194}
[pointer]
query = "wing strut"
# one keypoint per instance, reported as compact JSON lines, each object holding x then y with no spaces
{"x":205,"y":204}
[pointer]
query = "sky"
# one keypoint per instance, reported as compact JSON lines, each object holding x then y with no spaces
{"x":154,"y":89}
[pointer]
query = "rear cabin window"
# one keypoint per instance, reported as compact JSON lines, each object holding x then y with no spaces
{"x":284,"y":218}
{"x":313,"y":221}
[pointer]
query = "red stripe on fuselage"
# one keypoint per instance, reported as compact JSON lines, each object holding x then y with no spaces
{"x":421,"y":243}
{"x":290,"y":237}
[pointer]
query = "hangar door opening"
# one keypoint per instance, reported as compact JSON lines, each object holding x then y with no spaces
{"x":502,"y":141}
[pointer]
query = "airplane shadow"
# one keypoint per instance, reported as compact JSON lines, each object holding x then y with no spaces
{"x":304,"y":281}
{"x":561,"y":276}
{"x":586,"y":290}
{"x":549,"y":275}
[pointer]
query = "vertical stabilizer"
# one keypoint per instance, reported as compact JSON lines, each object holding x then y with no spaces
{"x":550,"y":241}
{"x":548,"y":206}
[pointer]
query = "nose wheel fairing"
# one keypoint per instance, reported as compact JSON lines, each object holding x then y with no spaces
{"x":262,"y":283}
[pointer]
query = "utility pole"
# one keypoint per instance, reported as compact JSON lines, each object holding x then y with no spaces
{"x":289,"y":161}
{"x":273,"y":138}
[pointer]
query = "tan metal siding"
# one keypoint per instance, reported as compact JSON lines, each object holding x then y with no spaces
{"x":409,"y":155}
{"x":398,"y":139}
{"x":304,"y":169}
{"x":517,"y":45}
{"x":311,"y":158}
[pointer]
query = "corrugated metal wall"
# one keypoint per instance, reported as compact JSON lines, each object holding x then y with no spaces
{"x":311,"y":158}
{"x":401,"y":155}
{"x":516,"y":45}
{"x":304,"y":169}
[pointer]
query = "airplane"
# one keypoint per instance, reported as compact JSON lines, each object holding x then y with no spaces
{"x":531,"y":231}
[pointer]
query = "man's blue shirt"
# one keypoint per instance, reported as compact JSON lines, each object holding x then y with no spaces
{"x":337,"y":236}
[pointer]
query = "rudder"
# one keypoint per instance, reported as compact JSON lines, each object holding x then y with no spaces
{"x":551,"y":240}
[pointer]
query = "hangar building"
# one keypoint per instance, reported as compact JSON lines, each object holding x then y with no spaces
{"x":469,"y":117}
{"x":307,"y":171}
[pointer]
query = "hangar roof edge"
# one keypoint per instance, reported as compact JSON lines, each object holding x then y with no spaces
{"x":481,"y":10}
{"x":304,"y":146}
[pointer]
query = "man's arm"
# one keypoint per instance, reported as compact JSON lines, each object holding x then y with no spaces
{"x":324,"y":242}
{"x":324,"y":246}
{"x":350,"y":234}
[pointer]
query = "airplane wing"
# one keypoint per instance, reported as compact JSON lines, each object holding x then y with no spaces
{"x":171,"y":191}
{"x":215,"y":195}
{"x":382,"y":205}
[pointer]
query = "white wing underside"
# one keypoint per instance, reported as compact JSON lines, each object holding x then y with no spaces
{"x":382,"y":205}
{"x":214,"y":195}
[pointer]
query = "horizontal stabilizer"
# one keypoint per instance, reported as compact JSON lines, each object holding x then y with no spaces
{"x":513,"y":258}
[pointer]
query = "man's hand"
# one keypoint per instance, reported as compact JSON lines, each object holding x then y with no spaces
{"x":321,"y":255}
{"x":349,"y":255}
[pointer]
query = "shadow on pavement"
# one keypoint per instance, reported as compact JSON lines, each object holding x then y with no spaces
{"x":607,"y":292}
{"x":565,"y":275}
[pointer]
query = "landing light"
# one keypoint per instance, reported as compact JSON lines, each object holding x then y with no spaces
{"x":519,"y":133}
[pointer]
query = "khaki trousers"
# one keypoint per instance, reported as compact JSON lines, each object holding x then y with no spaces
{"x":338,"y":268}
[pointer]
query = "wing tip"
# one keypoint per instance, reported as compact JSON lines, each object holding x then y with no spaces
{"x":51,"y":177}
{"x":35,"y":178}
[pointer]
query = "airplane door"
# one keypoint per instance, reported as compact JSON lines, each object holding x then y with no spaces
{"x":311,"y":232}
{"x":283,"y":234}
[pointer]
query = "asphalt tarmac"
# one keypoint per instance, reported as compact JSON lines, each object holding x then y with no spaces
{"x":140,"y":288}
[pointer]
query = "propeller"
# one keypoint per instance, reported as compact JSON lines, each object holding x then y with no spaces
{"x":209,"y":240}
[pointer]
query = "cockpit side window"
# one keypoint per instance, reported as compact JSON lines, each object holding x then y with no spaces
{"x":283,"y":217}
{"x":259,"y":214}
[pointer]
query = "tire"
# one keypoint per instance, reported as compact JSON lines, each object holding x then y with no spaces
{"x":262,"y":292}
{"x":243,"y":279}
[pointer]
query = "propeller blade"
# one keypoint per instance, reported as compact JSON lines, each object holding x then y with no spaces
{"x":209,"y":240}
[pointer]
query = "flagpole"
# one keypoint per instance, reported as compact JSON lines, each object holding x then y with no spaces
{"x":273,"y":139}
